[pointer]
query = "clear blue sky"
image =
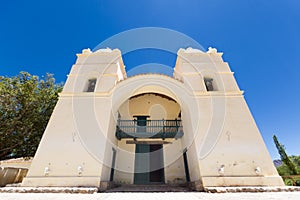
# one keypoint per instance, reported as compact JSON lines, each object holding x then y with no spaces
{"x":259,"y":38}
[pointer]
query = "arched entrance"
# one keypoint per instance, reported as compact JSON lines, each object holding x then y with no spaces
{"x":150,"y":128}
{"x":150,"y":122}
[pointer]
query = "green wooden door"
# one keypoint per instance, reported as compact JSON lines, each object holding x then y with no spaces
{"x":142,"y":164}
{"x":156,"y":164}
{"x":148,"y":164}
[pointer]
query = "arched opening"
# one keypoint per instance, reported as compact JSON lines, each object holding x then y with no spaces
{"x":149,"y":121}
{"x":149,"y":115}
{"x":150,"y":133}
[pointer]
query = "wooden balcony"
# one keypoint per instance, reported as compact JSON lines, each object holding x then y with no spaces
{"x":149,"y":129}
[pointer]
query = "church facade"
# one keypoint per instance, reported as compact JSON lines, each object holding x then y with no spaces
{"x":194,"y":127}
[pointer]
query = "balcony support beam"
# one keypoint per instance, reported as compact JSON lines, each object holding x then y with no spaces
{"x":147,"y":142}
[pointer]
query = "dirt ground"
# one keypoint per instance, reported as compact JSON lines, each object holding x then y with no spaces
{"x":153,"y":196}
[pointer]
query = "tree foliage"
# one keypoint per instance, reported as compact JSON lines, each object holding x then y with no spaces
{"x":26,"y":104}
{"x":290,"y":165}
{"x":284,"y":170}
{"x":284,"y":157}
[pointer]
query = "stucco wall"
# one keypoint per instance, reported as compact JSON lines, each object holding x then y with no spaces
{"x":151,"y":104}
{"x":224,"y":146}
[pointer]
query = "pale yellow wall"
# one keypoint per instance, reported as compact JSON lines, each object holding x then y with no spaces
{"x":173,"y":162}
{"x":219,"y":129}
{"x":124,"y":162}
{"x":157,"y":107}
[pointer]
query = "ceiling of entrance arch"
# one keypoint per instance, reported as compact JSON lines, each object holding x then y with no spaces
{"x":156,"y":94}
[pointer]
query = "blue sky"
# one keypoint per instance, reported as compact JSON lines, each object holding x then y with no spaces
{"x":259,"y":38}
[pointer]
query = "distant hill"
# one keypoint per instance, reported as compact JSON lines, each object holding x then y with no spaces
{"x":277,"y":162}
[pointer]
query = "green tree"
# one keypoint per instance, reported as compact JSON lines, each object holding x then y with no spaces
{"x":296,"y":161}
{"x":26,"y":104}
{"x":289,"y":168}
{"x":285,"y":171}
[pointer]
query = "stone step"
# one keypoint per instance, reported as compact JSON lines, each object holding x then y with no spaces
{"x":148,"y":188}
{"x":252,"y":189}
{"x":80,"y":190}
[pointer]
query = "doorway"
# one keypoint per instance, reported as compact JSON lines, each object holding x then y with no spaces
{"x":141,"y":122}
{"x":149,"y":164}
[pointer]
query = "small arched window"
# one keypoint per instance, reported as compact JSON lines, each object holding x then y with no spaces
{"x":91,"y":85}
{"x":209,"y":84}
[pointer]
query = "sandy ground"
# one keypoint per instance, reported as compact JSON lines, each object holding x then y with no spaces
{"x":154,"y":196}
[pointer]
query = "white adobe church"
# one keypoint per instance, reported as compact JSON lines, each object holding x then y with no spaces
{"x":194,"y":127}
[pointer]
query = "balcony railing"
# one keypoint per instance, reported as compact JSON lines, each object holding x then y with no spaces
{"x":149,"y":129}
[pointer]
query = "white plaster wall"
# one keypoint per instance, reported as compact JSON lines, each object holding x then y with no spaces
{"x":218,"y":127}
{"x":76,"y":148}
{"x":226,"y":134}
{"x":125,"y":162}
{"x":240,"y":147}
{"x":62,"y":152}
{"x":173,"y":162}
{"x":153,"y":105}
